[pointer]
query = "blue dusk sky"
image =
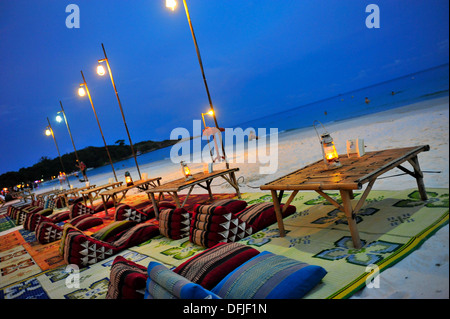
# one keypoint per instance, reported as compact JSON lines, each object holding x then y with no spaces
{"x":260,"y":57}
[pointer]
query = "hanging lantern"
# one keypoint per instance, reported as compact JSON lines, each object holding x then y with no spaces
{"x":330,"y":155}
{"x":186,"y":171}
{"x":128,"y":178}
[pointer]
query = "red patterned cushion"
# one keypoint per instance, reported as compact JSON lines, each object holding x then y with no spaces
{"x":232,"y":205}
{"x":127,"y":212}
{"x":262,"y":215}
{"x":214,"y":224}
{"x":212,"y":265}
{"x":80,"y":209}
{"x":82,"y":250}
{"x":59,"y":217}
{"x":87,"y":222}
{"x":174,"y":223}
{"x":47,"y":232}
{"x":126,"y":280}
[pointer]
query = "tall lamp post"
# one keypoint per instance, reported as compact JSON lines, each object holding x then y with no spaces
{"x":59,"y":119}
{"x":48,"y":132}
{"x":82,"y":90}
{"x":101,"y":71}
{"x":172,"y":5}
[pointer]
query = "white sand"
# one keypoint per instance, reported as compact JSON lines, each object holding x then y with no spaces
{"x":424,"y":273}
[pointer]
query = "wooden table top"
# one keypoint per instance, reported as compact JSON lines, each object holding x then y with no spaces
{"x":123,"y":188}
{"x":354,"y":172}
{"x":95,"y":189}
{"x":181,"y":183}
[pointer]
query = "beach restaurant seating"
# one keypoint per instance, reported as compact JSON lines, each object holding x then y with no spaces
{"x":226,"y":270}
{"x":81,"y":217}
{"x":230,"y":221}
{"x":82,"y":250}
{"x":32,"y":221}
{"x":19,"y":213}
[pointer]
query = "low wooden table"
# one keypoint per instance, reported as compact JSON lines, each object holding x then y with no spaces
{"x":93,"y":192}
{"x":173,"y":187}
{"x":351,"y":176}
{"x":74,"y":192}
{"x":119,"y":193}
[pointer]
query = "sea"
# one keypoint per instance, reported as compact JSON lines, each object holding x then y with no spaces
{"x":420,"y":86}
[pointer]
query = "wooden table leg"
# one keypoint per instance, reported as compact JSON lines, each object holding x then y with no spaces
{"x":277,"y":207}
{"x":155,"y":205}
{"x":236,"y":185}
{"x":176,"y":198}
{"x":208,"y":188}
{"x":346,"y":201}
{"x":419,"y":177}
{"x":104,"y":204}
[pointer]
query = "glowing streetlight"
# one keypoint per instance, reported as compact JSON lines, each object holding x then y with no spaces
{"x":86,"y":91}
{"x":48,"y":132}
{"x":172,"y":5}
{"x":210,"y":113}
{"x":81,"y":91}
{"x":101,"y":71}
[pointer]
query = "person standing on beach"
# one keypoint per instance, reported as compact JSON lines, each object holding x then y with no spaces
{"x":82,"y":168}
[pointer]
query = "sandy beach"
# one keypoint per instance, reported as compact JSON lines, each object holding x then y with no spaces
{"x":425,"y":272}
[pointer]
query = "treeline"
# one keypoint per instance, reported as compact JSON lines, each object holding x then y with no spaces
{"x":92,"y":156}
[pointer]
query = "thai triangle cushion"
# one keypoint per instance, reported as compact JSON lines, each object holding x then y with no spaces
{"x":210,"y":266}
{"x":163,"y":283}
{"x":127,"y":280}
{"x":211,"y":225}
{"x":262,"y":215}
{"x":174,"y":223}
{"x":270,"y":276}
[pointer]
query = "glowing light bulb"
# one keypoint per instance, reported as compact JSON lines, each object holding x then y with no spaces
{"x":210,"y":113}
{"x":171,"y":4}
{"x":81,"y":92}
{"x":48,"y":132}
{"x":58,"y":118}
{"x":101,"y":70}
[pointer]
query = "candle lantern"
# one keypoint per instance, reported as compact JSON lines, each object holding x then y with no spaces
{"x":330,"y":155}
{"x":128,"y":178}
{"x":186,"y":171}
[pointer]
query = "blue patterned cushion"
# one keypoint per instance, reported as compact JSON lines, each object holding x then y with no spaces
{"x":270,"y":276}
{"x":163,"y":283}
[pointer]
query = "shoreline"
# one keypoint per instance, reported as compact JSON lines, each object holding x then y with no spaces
{"x":303,"y":145}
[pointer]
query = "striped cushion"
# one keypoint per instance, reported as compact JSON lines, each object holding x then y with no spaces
{"x":126,"y":280}
{"x":113,"y":229}
{"x":231,"y":205}
{"x":210,"y":266}
{"x":270,"y":276}
{"x":174,"y":223}
{"x":211,"y":225}
{"x":165,"y":284}
{"x":262,"y":215}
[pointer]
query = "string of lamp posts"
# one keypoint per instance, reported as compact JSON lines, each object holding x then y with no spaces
{"x":83,"y":90}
